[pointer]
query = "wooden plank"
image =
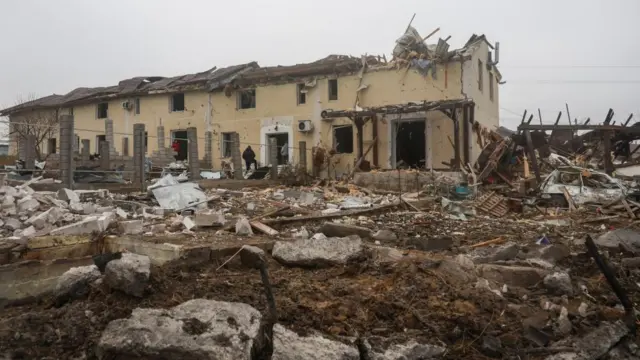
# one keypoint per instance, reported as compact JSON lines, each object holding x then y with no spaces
{"x":331,"y":216}
{"x":567,"y":196}
{"x":601,"y":218}
{"x":263,"y":228}
{"x":628,"y":208}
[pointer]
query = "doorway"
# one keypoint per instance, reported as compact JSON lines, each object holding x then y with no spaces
{"x":282,"y":147}
{"x":99,"y":140}
{"x":183,"y":144}
{"x":410,"y":144}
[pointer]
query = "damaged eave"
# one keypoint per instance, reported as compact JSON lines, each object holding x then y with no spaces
{"x":397,"y":109}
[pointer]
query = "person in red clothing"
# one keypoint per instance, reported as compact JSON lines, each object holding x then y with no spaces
{"x":176,"y":147}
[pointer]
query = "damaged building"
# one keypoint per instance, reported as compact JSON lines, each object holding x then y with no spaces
{"x":421,"y":109}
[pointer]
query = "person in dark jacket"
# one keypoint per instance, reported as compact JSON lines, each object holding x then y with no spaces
{"x":249,"y":157}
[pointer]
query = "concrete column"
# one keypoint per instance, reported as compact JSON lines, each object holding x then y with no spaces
{"x":161,"y":143}
{"x":236,"y":157}
{"x":108,"y":131}
{"x":138,"y":155}
{"x":86,"y":150}
{"x":273,"y":157}
{"x":76,"y":142}
{"x":30,"y":152}
{"x":66,"y":150}
{"x":22,"y":147}
{"x":105,"y":157}
{"x":208,"y":148}
{"x":302,"y":146}
{"x":194,"y":160}
{"x":125,"y":146}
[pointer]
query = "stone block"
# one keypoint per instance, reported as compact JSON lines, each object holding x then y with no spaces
{"x":196,"y":329}
{"x":129,"y":274}
{"x":75,"y":283}
{"x":131,"y":227}
{"x":322,"y":253}
{"x":86,"y":226}
{"x":209,"y":218}
{"x":288,"y":345}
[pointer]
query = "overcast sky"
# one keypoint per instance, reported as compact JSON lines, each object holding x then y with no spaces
{"x":583,"y":52}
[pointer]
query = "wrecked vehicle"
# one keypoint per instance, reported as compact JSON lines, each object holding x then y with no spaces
{"x":582,"y":185}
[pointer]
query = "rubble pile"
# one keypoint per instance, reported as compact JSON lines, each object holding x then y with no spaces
{"x":457,"y":270}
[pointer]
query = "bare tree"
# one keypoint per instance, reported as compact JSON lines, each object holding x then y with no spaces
{"x":42,"y":122}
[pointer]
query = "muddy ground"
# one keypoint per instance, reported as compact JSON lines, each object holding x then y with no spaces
{"x":387,"y":303}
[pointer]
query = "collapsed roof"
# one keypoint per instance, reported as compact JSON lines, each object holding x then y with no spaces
{"x":248,"y":74}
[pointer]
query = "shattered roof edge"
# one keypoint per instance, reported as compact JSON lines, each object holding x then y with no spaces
{"x":330,"y":65}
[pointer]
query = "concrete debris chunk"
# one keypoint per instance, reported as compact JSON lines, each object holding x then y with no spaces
{"x":86,"y":226}
{"x":28,"y":233}
{"x":121,"y":213}
{"x":613,"y":240}
{"x":319,"y":236}
{"x":159,"y":228}
{"x":504,"y":252}
{"x":301,"y":234}
{"x":288,"y":345}
{"x":188,"y":223}
{"x":520,"y":276}
{"x":68,"y":195}
{"x":8,"y":191}
{"x":559,"y":283}
{"x":209,"y":218}
{"x":439,"y":243}
{"x":313,"y":253}
{"x":332,"y":229}
{"x":75,"y":283}
{"x":12,"y":224}
{"x":196,"y":329}
{"x":411,"y":351}
{"x":8,"y":202}
{"x":129,"y":274}
{"x":27,"y":204}
{"x":131,"y":227}
{"x":243,"y":227}
{"x":385,"y":235}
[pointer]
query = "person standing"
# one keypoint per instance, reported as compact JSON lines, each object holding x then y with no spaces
{"x":249,"y":157}
{"x":176,"y":147}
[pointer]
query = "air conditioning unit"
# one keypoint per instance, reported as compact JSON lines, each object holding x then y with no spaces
{"x":305,"y":125}
{"x":126,"y":105}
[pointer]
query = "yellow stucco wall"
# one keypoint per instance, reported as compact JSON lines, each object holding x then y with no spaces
{"x":276,"y":105}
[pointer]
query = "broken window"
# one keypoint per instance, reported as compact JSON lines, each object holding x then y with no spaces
{"x":71,"y":111}
{"x":247,"y":99}
{"x":343,"y":139}
{"x":225,"y":148}
{"x":333,"y":89}
{"x":52,"y":146}
{"x":480,"y":70}
{"x":491,"y":86}
{"x":302,"y":94}
{"x":177,"y":102}
{"x":102,"y":111}
{"x":136,"y":103}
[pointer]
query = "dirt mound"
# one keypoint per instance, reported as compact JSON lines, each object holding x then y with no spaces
{"x":386,"y":303}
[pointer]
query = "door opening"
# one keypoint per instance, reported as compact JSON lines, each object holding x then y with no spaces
{"x":282,"y":147}
{"x":180,"y":143}
{"x":99,"y":140}
{"x":410,"y":144}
